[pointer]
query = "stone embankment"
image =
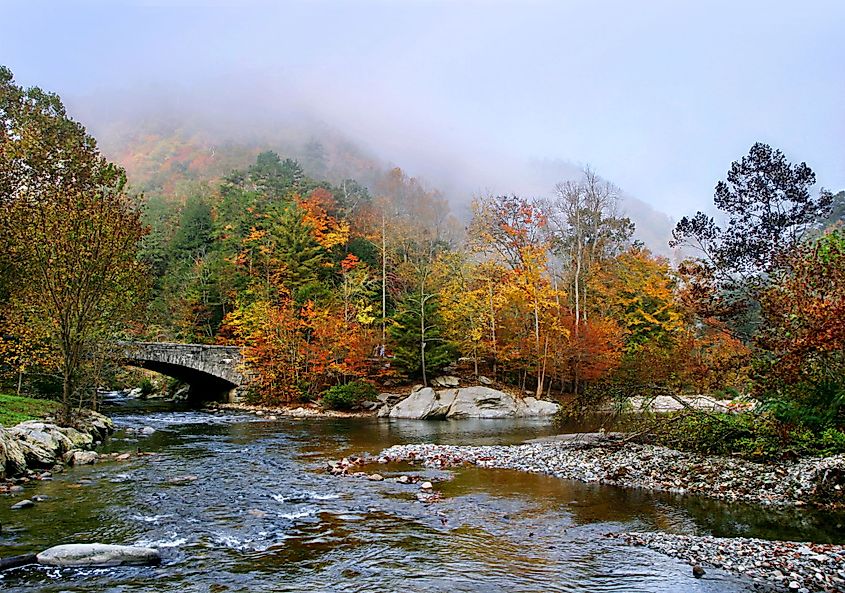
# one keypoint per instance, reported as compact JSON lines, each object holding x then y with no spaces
{"x":791,"y":566}
{"x":607,"y":460}
{"x":35,"y":446}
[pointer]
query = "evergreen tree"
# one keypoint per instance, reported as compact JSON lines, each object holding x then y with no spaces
{"x":194,"y":234}
{"x":300,"y":255}
{"x":275,"y":177}
{"x":416,"y":333}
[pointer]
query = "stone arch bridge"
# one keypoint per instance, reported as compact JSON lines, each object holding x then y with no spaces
{"x":213,"y":372}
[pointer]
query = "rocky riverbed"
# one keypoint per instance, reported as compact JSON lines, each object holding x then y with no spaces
{"x":791,"y":566}
{"x":816,"y":481}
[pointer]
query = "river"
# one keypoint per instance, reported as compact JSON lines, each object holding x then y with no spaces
{"x":242,"y":504}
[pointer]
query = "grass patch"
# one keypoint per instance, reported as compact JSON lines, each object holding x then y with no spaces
{"x":15,"y":409}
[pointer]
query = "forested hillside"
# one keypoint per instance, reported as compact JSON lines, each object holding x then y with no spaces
{"x":336,"y":283}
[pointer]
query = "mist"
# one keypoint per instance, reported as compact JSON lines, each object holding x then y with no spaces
{"x":471,"y":97}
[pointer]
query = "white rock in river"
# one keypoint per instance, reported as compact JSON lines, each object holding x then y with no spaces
{"x":97,"y":555}
{"x":537,"y":407}
{"x":483,"y":402}
{"x":425,"y":403}
{"x":468,"y":402}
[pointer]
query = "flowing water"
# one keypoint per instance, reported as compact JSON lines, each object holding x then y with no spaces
{"x":242,"y":504}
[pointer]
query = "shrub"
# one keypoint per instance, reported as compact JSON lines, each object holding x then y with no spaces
{"x":751,"y":435}
{"x":146,"y":386}
{"x":346,"y":397}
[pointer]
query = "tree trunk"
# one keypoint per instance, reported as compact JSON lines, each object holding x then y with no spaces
{"x":383,"y":283}
{"x":66,"y":390}
{"x":541,"y":379}
{"x":493,"y":330}
{"x":422,"y":338}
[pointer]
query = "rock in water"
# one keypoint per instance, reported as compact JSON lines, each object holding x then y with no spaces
{"x":423,"y":404}
{"x":24,"y":504}
{"x":84,"y":458}
{"x":97,"y":555}
{"x":697,"y":571}
{"x":15,"y":561}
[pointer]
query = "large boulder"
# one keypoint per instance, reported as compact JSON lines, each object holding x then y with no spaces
{"x":12,"y":459}
{"x":537,"y":407}
{"x":44,"y":434}
{"x":78,"y":439}
{"x":98,"y":555}
{"x":36,"y":453}
{"x":484,"y":402}
{"x":95,"y":424}
{"x":424,"y":404}
{"x":467,"y":402}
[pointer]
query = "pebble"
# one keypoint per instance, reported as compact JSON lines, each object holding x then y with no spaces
{"x":375,"y":477}
{"x":426,"y":485}
{"x":794,"y":566}
{"x":640,"y":466}
{"x":23,"y":504}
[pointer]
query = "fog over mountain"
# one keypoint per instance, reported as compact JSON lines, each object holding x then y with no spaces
{"x":232,"y":129}
{"x":472,"y":96}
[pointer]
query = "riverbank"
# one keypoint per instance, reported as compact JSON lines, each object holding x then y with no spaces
{"x":794,"y":566}
{"x":34,"y":448}
{"x":818,"y":482}
{"x":15,"y":409}
{"x":290,"y":411}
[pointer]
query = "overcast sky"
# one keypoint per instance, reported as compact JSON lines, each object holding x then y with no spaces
{"x":659,"y":97}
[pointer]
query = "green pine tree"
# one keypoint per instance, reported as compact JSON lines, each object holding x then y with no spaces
{"x":301,"y":256}
{"x":416,"y":334}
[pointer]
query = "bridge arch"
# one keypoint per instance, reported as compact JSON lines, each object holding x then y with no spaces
{"x":211,"y":371}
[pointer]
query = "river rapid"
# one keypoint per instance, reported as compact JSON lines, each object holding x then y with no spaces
{"x":243,"y":504}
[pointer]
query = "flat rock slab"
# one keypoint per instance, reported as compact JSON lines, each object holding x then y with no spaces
{"x":98,"y":555}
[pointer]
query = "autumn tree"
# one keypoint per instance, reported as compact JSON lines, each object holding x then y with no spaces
{"x":511,"y":230}
{"x":637,"y":290}
{"x":69,"y":225}
{"x":585,"y":227}
{"x":804,"y":309}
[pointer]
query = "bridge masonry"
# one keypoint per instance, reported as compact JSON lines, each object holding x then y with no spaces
{"x":213,"y":372}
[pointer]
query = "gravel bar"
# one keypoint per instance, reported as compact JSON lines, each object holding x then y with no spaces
{"x":816,"y":481}
{"x":787,"y":566}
